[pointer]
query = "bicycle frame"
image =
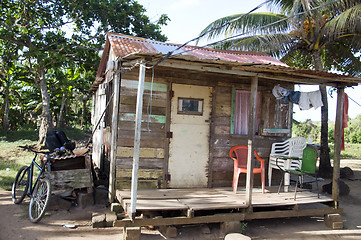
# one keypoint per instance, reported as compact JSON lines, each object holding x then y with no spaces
{"x":31,"y":173}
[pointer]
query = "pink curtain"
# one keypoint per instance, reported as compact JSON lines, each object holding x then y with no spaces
{"x":241,"y":112}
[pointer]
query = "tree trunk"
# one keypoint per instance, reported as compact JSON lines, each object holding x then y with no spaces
{"x":46,"y":121}
{"x":6,"y":108}
{"x":325,"y":169}
{"x":83,"y":112}
{"x":60,"y":122}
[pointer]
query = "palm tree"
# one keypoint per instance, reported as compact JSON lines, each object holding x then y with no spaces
{"x":317,"y":34}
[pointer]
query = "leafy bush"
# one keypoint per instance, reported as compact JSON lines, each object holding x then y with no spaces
{"x":307,"y":129}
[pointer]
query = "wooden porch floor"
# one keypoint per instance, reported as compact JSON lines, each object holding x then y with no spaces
{"x":208,"y":203}
{"x":214,"y":198}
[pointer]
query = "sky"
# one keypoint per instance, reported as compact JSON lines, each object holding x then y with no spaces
{"x":189,"y":17}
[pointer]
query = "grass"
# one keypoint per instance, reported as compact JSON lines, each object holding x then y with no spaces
{"x":352,"y":151}
{"x":12,"y":158}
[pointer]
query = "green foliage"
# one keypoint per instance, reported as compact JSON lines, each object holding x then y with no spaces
{"x":351,"y":151}
{"x":353,"y":131}
{"x":307,"y":129}
{"x":56,"y":44}
{"x":12,"y":159}
{"x":311,"y":129}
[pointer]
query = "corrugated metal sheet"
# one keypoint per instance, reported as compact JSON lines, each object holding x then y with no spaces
{"x":126,"y":45}
{"x":129,"y":47}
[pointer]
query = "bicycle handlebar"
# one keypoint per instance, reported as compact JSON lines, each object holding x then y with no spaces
{"x":27,"y":147}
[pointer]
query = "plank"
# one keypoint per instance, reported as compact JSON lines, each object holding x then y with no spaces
{"x":145,"y":118}
{"x":127,"y":152}
{"x":180,"y":220}
{"x":133,"y":84}
{"x":156,"y":204}
{"x":70,"y":179}
{"x":142,"y":173}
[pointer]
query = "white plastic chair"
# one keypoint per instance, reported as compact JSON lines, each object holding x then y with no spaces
{"x":289,"y":155}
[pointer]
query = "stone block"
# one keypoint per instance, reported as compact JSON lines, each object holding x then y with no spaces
{"x":110,"y":218}
{"x":131,"y":233}
{"x":169,"y":231}
{"x":236,"y":236}
{"x":98,"y":220}
{"x":334,"y":221}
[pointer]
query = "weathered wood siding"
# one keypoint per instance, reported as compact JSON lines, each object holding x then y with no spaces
{"x":152,"y":142}
{"x":275,"y":118}
{"x":275,"y":123}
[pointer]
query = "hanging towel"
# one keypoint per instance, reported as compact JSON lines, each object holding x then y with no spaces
{"x":344,"y":121}
{"x":310,"y":99}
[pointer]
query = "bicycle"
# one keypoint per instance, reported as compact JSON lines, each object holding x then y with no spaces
{"x":39,"y":192}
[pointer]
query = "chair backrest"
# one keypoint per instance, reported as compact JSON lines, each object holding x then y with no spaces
{"x":292,"y":147}
{"x":309,"y":160}
{"x":297,"y":145}
{"x":241,"y":154}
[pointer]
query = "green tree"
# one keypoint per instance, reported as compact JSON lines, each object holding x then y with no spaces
{"x":51,"y":34}
{"x":316,"y":34}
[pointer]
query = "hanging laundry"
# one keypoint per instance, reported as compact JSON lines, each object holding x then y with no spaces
{"x":280,"y":92}
{"x":293,"y":97}
{"x":310,"y":99}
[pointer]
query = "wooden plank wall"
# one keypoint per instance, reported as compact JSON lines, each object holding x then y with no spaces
{"x":154,"y":144}
{"x":274,"y":115}
{"x":152,"y":135}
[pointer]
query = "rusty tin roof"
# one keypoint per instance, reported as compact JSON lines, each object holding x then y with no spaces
{"x":129,"y":48}
{"x":124,"y":46}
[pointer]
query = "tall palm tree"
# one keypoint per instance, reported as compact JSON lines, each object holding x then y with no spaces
{"x":317,"y":34}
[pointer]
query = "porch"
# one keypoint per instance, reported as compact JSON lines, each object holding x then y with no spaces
{"x":160,"y":207}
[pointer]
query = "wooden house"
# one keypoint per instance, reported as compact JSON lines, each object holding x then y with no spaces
{"x":173,"y":112}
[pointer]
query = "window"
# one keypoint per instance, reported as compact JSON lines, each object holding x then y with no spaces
{"x":240,"y":112}
{"x":190,"y":106}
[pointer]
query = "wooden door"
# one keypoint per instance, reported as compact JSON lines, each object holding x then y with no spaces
{"x":189,"y":146}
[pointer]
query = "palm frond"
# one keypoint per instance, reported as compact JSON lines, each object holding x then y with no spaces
{"x":345,"y":23}
{"x":274,"y":44}
{"x":297,"y":58}
{"x":340,"y":55}
{"x":252,"y":23}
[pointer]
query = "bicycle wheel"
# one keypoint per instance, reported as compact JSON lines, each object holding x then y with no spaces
{"x":20,"y":185}
{"x":39,"y":200}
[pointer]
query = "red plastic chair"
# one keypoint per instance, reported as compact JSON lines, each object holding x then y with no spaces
{"x":239,"y":154}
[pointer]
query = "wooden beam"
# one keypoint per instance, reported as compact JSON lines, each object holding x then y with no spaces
{"x":251,"y":133}
{"x":180,"y":220}
{"x":206,"y":68}
{"x":138,"y":130}
{"x":338,"y":135}
{"x":114,"y":137}
{"x":227,"y":217}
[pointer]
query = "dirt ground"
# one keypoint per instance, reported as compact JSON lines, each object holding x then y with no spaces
{"x":14,"y":223}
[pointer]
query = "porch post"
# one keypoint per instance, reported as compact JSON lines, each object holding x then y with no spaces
{"x":251,"y":131}
{"x":114,"y":136}
{"x":338,"y":132}
{"x":138,"y":123}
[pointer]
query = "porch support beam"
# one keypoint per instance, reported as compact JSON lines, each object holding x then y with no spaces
{"x":114,"y":136}
{"x":251,"y":131}
{"x":338,"y":134}
{"x":138,"y":123}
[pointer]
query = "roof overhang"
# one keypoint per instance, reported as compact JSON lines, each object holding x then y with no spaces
{"x":130,"y":50}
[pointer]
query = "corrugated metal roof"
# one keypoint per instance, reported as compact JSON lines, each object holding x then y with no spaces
{"x":130,"y":48}
{"x":124,"y":46}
